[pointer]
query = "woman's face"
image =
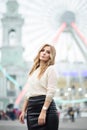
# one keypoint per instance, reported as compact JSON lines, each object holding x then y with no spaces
{"x":45,"y":54}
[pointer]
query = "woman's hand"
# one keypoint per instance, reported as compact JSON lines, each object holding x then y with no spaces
{"x":21,"y":117}
{"x":42,"y":118}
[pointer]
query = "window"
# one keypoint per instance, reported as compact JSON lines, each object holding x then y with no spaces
{"x":12,"y":37}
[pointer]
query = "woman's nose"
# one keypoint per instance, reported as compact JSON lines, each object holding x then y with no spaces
{"x":44,"y":52}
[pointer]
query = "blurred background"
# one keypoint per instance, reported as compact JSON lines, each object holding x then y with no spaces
{"x":27,"y":24}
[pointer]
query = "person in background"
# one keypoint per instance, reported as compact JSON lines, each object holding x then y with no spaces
{"x":78,"y":111}
{"x":42,"y":83}
{"x":71,"y":114}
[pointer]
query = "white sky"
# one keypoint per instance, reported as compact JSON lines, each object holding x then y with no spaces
{"x":42,"y":20}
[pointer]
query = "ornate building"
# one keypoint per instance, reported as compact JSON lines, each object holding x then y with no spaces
{"x":12,"y":69}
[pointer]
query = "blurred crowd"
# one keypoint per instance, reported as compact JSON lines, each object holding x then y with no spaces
{"x":11,"y":113}
{"x":67,"y":113}
{"x":70,"y":113}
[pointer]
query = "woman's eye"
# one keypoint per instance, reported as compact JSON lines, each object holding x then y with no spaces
{"x":42,"y":50}
{"x":48,"y":52}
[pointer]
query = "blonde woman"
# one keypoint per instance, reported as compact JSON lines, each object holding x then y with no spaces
{"x":42,"y":82}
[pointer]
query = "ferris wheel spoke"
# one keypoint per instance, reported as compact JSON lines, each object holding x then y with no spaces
{"x":60,"y":30}
{"x":79,"y":33}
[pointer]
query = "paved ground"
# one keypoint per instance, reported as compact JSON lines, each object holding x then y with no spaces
{"x":79,"y":124}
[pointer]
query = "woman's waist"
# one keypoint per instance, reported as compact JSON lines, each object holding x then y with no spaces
{"x":37,"y":96}
{"x":35,"y":93}
{"x":38,"y":101}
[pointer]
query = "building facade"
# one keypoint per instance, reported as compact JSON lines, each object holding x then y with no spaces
{"x":13,"y":68}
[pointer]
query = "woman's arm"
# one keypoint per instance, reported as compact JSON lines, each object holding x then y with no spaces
{"x":25,"y":106}
{"x":21,"y":117}
{"x":51,"y":89}
{"x":42,"y":116}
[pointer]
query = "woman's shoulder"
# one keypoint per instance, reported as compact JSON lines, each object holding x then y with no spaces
{"x":51,"y":71}
{"x":51,"y":67}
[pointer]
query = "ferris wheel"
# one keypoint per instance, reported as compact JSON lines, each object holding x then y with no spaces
{"x":61,"y":23}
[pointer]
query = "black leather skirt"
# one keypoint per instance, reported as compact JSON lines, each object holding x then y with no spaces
{"x":34,"y":108}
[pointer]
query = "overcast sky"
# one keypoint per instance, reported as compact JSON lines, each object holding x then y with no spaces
{"x":42,"y":19}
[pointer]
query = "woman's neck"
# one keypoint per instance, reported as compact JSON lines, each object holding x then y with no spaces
{"x":42,"y":63}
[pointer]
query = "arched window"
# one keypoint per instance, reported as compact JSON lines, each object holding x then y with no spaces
{"x":12,"y":37}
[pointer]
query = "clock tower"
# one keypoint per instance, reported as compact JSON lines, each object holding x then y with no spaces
{"x":12,"y":60}
{"x":12,"y":22}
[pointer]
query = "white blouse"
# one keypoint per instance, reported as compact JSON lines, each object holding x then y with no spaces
{"x":46,"y":85}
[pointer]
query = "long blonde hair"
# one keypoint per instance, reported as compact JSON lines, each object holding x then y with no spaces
{"x":51,"y":60}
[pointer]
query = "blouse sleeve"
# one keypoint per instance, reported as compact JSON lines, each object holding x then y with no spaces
{"x":51,"y":83}
{"x":26,"y":93}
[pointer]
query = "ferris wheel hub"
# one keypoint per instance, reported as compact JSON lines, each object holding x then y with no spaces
{"x":68,"y":17}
